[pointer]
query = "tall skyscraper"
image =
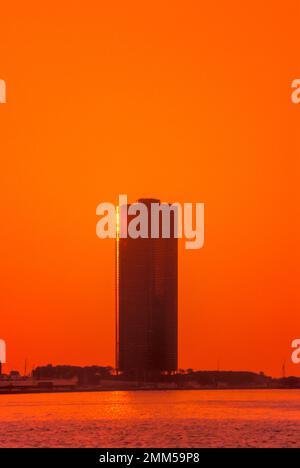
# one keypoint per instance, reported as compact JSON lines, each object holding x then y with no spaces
{"x":146,"y":301}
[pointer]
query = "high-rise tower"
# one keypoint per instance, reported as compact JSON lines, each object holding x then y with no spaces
{"x":146,"y":301}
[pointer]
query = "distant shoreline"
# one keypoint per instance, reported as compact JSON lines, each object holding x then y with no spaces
{"x":132,"y":389}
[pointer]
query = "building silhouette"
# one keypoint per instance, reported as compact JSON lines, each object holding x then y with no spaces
{"x":146,"y":302}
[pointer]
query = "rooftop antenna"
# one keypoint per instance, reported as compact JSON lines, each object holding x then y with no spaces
{"x":283,"y":370}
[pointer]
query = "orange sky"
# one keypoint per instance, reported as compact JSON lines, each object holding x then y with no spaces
{"x":185,"y":101}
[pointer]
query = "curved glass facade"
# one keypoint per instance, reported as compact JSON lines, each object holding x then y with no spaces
{"x":146,"y":303}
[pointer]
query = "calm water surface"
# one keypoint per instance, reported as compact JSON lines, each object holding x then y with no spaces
{"x":229,"y":418}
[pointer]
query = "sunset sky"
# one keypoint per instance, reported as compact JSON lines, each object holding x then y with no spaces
{"x":183,"y":101}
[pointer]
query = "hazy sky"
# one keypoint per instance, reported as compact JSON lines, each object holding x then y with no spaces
{"x":184,"y":101}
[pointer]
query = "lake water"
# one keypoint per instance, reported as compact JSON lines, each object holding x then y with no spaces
{"x":179,"y":418}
